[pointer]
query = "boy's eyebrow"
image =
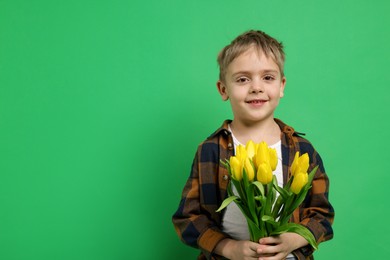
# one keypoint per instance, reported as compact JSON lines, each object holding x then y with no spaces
{"x":249,"y":72}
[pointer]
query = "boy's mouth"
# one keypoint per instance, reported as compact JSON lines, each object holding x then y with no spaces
{"x":256,"y":101}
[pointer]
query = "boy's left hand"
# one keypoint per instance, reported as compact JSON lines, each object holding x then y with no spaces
{"x":278,"y":247}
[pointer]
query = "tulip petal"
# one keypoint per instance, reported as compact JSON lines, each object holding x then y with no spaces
{"x":262,"y":154}
{"x":241,"y":153}
{"x":264,"y":173}
{"x":235,"y":168}
{"x":250,"y":149}
{"x":294,"y":164}
{"x":304,"y":162}
{"x":250,"y":172}
{"x":300,"y":180}
{"x":273,"y":158}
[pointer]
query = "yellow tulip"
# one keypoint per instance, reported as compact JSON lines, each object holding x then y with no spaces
{"x":294,"y":164}
{"x":264,"y":173}
{"x":256,"y":148}
{"x":250,"y":149}
{"x":273,"y":158}
{"x":262,"y":154}
{"x":300,"y":163}
{"x":235,"y":168}
{"x":304,"y":162}
{"x":241,"y":153}
{"x":250,"y":172}
{"x":300,"y":180}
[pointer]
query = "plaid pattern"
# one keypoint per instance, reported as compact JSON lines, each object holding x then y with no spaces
{"x":199,"y":225}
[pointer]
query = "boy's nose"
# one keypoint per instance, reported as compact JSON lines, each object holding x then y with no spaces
{"x":257,"y":86}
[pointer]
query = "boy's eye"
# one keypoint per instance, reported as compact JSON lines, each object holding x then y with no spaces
{"x":269,"y":77}
{"x":242,"y":79}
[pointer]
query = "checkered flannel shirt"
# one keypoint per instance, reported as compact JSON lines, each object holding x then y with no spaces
{"x":199,"y":225}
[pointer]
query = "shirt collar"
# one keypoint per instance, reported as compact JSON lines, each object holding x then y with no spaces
{"x":286,"y":129}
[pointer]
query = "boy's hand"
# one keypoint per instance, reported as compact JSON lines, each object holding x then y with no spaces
{"x":278,"y":247}
{"x":237,"y":250}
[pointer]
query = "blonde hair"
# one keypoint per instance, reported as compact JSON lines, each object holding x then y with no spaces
{"x":260,"y":40}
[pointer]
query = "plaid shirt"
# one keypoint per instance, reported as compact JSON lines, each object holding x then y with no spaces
{"x":196,"y":220}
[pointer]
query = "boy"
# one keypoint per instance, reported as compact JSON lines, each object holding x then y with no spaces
{"x":252,"y":78}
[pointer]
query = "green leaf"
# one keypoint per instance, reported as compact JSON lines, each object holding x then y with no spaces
{"x":298,"y":200}
{"x":239,"y":188}
{"x":298,"y":229}
{"x":311,"y":175}
{"x":245,"y":179}
{"x":259,"y":186}
{"x":255,"y":231}
{"x":225,"y":163}
{"x":244,"y":209}
{"x":226,"y":202}
{"x":276,"y":208}
{"x":284,"y":193}
{"x":262,"y":199}
{"x":251,"y":203}
{"x":288,"y":185}
{"x":267,"y":218}
{"x":270,"y":199}
{"x":270,"y":220}
{"x":286,"y":212}
{"x":229,"y":189}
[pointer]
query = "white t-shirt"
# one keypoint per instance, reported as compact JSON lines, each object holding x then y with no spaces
{"x":233,"y":221}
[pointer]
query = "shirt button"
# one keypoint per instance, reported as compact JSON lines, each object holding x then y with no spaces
{"x":230,"y":145}
{"x":225,"y":177}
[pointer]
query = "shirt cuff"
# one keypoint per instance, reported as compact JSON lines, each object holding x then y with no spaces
{"x":209,"y":239}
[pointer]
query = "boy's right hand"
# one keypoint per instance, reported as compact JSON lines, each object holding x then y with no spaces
{"x":237,"y":249}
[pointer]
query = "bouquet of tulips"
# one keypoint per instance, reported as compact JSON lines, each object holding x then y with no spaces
{"x":266,"y":206}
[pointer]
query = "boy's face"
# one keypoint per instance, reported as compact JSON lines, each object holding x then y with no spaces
{"x":254,"y":85}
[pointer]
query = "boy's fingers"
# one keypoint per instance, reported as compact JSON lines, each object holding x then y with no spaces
{"x":269,"y":240}
{"x":267,"y":250}
{"x":254,"y":247}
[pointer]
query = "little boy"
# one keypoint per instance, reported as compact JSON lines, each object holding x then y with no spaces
{"x":252,"y":78}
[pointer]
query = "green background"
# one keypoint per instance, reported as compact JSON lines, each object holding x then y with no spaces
{"x":103,"y":103}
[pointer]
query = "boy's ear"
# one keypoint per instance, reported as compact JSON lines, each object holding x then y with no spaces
{"x":222,"y":90}
{"x":282,"y":85}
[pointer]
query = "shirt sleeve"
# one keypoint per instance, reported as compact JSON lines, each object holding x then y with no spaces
{"x":193,"y":221}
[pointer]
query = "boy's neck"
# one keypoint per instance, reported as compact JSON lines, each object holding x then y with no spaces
{"x":267,"y":131}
